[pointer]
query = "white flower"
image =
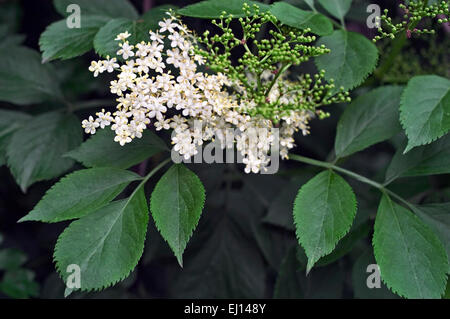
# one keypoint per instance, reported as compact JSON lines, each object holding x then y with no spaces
{"x":126,"y":50}
{"x":97,"y":67}
{"x":122,"y":36}
{"x":167,"y":25}
{"x":176,"y":40}
{"x":110,"y":64}
{"x":117,"y":87}
{"x":123,"y":137}
{"x":156,"y":110}
{"x":156,"y":37}
{"x":253,"y":164}
{"x":162,"y":124}
{"x":90,"y":125}
{"x":104,"y":119}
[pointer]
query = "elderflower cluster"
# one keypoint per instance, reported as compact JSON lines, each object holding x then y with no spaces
{"x":159,"y":85}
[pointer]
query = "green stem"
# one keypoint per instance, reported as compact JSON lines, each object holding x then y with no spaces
{"x":354,"y":175}
{"x":149,"y":175}
{"x":282,"y":70}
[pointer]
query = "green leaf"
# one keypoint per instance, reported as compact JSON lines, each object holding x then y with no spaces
{"x":301,"y":19}
{"x":106,"y":8}
{"x":346,"y":245}
{"x":352,"y":58}
{"x":35,"y":151}
{"x":23,"y":78}
{"x":370,"y":119}
{"x":158,"y":13}
{"x":104,"y":41}
{"x":437,"y":216}
{"x":323,"y":213}
{"x":60,"y":42}
{"x":359,"y":279}
{"x":412,"y":260}
{"x":337,"y":8}
{"x":176,"y":205}
{"x":100,"y":150}
{"x":421,"y":161}
{"x":81,"y":193}
{"x":11,"y":121}
{"x":212,"y":9}
{"x":425,"y":109}
{"x":106,"y":244}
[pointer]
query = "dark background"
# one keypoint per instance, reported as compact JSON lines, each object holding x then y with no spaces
{"x":235,"y":252}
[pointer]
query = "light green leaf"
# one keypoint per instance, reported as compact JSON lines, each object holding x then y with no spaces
{"x":212,"y":9}
{"x":337,"y":8}
{"x":437,"y":216}
{"x":323,"y":213}
{"x":23,"y":78}
{"x":424,"y":160}
{"x":412,"y":260}
{"x":35,"y":151}
{"x":352,"y":58}
{"x":425,"y":109}
{"x":106,"y":8}
{"x":106,"y":244}
{"x":60,"y":42}
{"x":81,"y":193}
{"x":370,"y":119}
{"x":100,"y":150}
{"x":301,"y":19}
{"x":176,"y":205}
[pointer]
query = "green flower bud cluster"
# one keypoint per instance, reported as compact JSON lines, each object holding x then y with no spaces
{"x":265,"y":63}
{"x":415,"y":11}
